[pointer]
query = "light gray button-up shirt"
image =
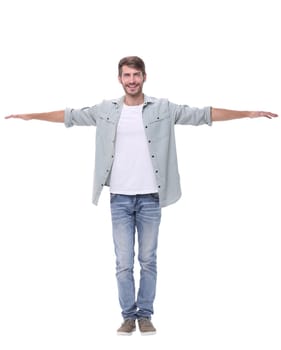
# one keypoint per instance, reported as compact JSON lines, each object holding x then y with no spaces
{"x":159,"y":118}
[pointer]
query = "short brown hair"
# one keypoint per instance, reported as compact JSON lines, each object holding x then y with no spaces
{"x":131,"y":61}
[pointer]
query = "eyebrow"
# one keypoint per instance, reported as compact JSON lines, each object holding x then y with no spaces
{"x":135,"y":73}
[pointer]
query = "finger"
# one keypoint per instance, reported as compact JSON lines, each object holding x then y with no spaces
{"x":13,"y":116}
{"x":268,"y":115}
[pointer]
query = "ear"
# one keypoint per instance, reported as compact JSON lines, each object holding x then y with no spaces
{"x":119,"y":79}
{"x":144,"y":78}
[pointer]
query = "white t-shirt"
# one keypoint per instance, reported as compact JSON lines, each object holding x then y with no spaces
{"x":132,"y":172}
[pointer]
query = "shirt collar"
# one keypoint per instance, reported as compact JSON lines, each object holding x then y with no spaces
{"x":120,"y":101}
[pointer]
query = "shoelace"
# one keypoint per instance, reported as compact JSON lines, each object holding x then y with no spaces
{"x":130,"y":322}
{"x":144,"y":321}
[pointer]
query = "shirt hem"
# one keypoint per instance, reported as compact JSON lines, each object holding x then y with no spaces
{"x":133,"y":193}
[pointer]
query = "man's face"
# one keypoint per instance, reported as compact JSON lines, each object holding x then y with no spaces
{"x":132,"y":80}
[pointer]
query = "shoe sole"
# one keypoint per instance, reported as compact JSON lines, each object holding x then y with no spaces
{"x":148,"y":333}
{"x":126,"y":333}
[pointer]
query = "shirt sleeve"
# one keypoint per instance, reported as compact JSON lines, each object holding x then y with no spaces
{"x":184,"y":114}
{"x":83,"y":117}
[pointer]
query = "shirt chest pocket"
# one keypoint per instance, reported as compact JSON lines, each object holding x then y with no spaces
{"x":160,"y":126}
{"x":106,"y":127}
{"x":105,"y":120}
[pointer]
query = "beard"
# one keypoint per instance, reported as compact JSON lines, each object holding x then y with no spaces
{"x":133,"y":90}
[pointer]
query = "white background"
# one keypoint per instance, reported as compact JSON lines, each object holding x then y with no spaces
{"x":219,"y":248}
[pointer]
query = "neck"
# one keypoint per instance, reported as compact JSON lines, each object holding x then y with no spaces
{"x":134,"y":100}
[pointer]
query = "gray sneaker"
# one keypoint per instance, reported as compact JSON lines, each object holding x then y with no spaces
{"x":127,"y":327}
{"x":146,"y":327}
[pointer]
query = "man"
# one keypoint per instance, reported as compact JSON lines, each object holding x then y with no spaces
{"x":136,"y":157}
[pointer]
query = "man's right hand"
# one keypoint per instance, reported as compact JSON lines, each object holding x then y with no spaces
{"x":56,"y":116}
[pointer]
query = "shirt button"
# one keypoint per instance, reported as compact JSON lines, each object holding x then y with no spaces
{"x":152,"y":156}
{"x":149,"y":141}
{"x":156,"y":171}
{"x":146,"y":126}
{"x":159,"y":186}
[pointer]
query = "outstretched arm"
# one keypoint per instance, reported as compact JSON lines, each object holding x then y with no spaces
{"x":56,"y":116}
{"x":219,"y":114}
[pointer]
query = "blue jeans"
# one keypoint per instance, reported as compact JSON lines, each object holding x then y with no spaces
{"x":141,"y":213}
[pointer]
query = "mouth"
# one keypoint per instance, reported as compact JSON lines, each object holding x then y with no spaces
{"x":132,"y":86}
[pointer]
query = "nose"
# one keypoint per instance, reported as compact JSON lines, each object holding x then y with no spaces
{"x":132,"y":79}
